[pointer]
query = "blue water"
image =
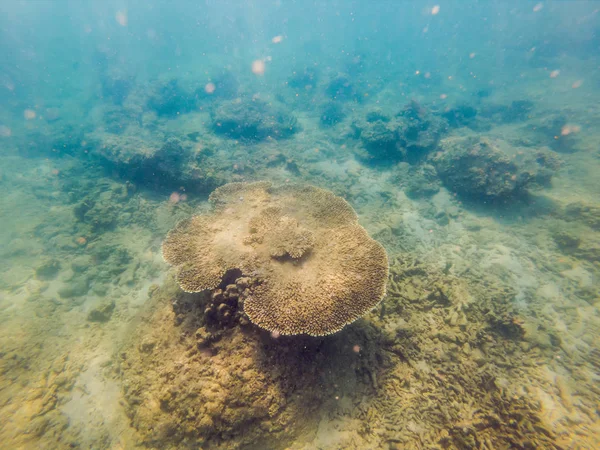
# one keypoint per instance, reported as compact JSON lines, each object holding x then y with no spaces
{"x":465,"y":135}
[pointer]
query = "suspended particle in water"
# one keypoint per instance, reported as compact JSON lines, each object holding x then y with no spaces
{"x":174,"y":198}
{"x":5,"y":131}
{"x":554,"y":73}
{"x":275,"y":334}
{"x":356,"y":349}
{"x":29,"y":114}
{"x":443,"y":96}
{"x":258,"y":67}
{"x":570,"y":129}
{"x":435,"y":10}
{"x":538,"y":7}
{"x":277,"y":39}
{"x":210,"y":88}
{"x":121,"y":18}
{"x":472,"y":55}
{"x":87,"y":29}
{"x":577,"y":84}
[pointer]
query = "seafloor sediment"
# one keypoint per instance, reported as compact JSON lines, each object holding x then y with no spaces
{"x":487,"y":337}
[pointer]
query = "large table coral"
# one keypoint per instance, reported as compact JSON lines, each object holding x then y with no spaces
{"x":317,"y":269}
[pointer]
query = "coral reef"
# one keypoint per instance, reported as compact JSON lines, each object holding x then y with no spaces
{"x":463,"y":115}
{"x":409,"y":136}
{"x":188,"y":384}
{"x":343,"y":88}
{"x":318,"y":269}
{"x":305,"y":78}
{"x":516,"y":111}
{"x":332,"y":114}
{"x":252,"y":120}
{"x":116,"y":86}
{"x":444,"y":386}
{"x":169,"y":98}
{"x":477,"y":168}
{"x":420,"y":181}
{"x":141,"y":158}
{"x":419,"y":131}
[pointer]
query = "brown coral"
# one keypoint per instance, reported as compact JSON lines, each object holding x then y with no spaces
{"x":318,"y":270}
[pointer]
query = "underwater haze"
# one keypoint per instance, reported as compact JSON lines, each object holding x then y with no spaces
{"x":299,"y":224}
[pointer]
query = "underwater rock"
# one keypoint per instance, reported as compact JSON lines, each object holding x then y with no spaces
{"x":408,"y":136}
{"x":81,"y":263}
{"x":47,"y":270}
{"x":566,"y":241}
{"x":419,"y":131}
{"x":76,"y":287}
{"x":101,"y":210}
{"x":586,"y":213}
{"x":116,"y":118}
{"x":252,"y":120}
{"x":305,"y":78}
{"x":422,"y":182}
{"x":478,"y":169}
{"x":343,"y":88}
{"x":102,"y":313}
{"x":332,"y":114}
{"x":461,"y":116}
{"x":517,"y":111}
{"x":160,"y":164}
{"x":273,"y":233}
{"x":378,"y":135}
{"x":170,"y":98}
{"x":116,"y":86}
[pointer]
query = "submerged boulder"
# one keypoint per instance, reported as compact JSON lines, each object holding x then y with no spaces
{"x":170,"y":98}
{"x":252,"y":120}
{"x":486,"y":170}
{"x":149,"y":159}
{"x":408,"y":136}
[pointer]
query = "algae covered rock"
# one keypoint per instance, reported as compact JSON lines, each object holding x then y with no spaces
{"x":158,"y":162}
{"x":48,"y":269}
{"x":408,"y":136}
{"x":332,"y":114}
{"x":170,"y":98}
{"x":102,"y":312}
{"x":421,"y":181}
{"x":252,"y":120}
{"x":486,"y":170}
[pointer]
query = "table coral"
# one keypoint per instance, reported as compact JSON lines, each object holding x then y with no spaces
{"x":317,"y":268}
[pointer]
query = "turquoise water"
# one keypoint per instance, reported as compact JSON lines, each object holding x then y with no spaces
{"x":465,"y":136}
